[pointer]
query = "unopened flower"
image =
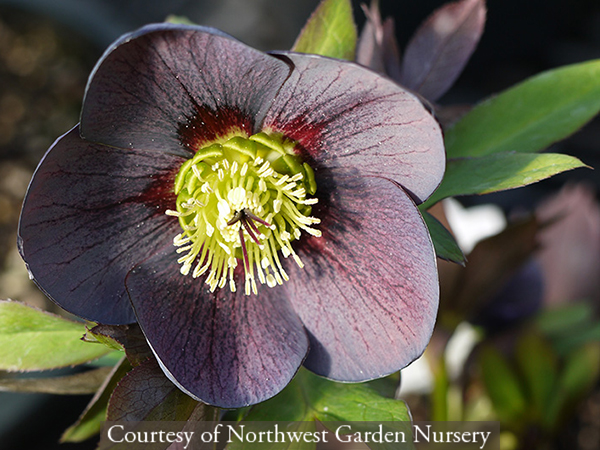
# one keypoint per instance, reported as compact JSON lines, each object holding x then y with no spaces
{"x":252,"y":212}
{"x":435,"y":55}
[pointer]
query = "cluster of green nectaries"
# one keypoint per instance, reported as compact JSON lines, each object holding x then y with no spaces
{"x":243,"y":199}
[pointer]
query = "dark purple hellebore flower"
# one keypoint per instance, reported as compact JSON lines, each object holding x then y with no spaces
{"x":199,"y":166}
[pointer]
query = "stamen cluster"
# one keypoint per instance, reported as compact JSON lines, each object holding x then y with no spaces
{"x":243,"y":199}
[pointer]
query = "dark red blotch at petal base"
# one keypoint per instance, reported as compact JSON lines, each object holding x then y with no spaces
{"x":164,"y":81}
{"x":368,"y":293}
{"x":90,"y":214}
{"x":348,"y":117}
{"x":225,"y":349}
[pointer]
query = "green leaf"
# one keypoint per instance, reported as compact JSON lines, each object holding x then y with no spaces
{"x":78,"y":384}
{"x":565,"y":319}
{"x":538,"y":364}
{"x":31,"y":339}
{"x":87,"y":427}
{"x":309,"y":397}
{"x":531,"y":115}
{"x":499,"y":172}
{"x":179,"y":20}
{"x":569,"y":327}
{"x":386,"y":386}
{"x":90,"y":421}
{"x":444,"y":243}
{"x":502,"y":385}
{"x":108,"y":360}
{"x":330,"y":31}
{"x":581,"y":370}
{"x":566,"y":344}
{"x":127,"y":337}
{"x":441,"y":387}
{"x":91,"y":336}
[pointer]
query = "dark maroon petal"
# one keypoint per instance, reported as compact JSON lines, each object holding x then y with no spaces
{"x":172,"y":88}
{"x":440,"y":48}
{"x":225,"y":349}
{"x":91,"y":213}
{"x":346,"y":116}
{"x":368,"y":292}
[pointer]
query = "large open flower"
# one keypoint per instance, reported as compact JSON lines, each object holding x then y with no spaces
{"x":252,"y":212}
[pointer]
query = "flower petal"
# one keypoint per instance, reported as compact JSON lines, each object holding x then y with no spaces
{"x":377,"y":47}
{"x":167,"y":87}
{"x":90,"y":214}
{"x":368,"y":292}
{"x":441,"y":47}
{"x":225,"y":349}
{"x":346,"y":116}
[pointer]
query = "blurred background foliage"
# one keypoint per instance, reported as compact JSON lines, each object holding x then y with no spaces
{"x":529,"y":296}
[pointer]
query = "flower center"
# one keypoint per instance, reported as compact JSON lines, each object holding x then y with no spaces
{"x":243,"y":200}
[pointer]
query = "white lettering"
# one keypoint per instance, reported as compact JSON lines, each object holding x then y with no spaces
{"x":207,"y":436}
{"x":110,"y":430}
{"x":484,"y":435}
{"x":216,"y":431}
{"x":418,"y":430}
{"x":188,"y":438}
{"x":239,"y":437}
{"x":345,"y":437}
{"x":149,"y":437}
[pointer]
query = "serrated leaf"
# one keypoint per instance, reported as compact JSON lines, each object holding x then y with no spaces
{"x":91,"y":336}
{"x":145,"y":393}
{"x":330,"y":31}
{"x":146,"y":396}
{"x":531,"y":115}
{"x":444,"y":243}
{"x":499,"y":172}
{"x":126,"y":337}
{"x":31,"y":339}
{"x":90,"y":421}
{"x":77,"y":384}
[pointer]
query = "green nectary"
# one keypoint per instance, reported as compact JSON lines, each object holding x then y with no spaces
{"x":243,"y":199}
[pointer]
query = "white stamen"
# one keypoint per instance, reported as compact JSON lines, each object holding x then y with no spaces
{"x":254,"y":198}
